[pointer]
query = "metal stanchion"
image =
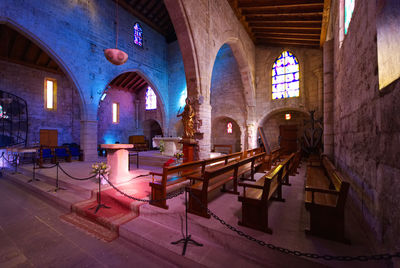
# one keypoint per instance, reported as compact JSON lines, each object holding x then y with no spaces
{"x":99,"y":204}
{"x":33,"y":170}
{"x":187,"y":237}
{"x":57,"y":183}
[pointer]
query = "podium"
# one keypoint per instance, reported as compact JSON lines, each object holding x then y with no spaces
{"x":189,"y":148}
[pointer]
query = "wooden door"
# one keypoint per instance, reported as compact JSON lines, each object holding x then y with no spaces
{"x":288,"y":138}
{"x":48,"y":137}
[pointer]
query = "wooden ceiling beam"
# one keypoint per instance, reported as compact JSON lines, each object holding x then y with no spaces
{"x":138,"y":87}
{"x":140,"y":16}
{"x":30,"y":65}
{"x":126,"y":80}
{"x":290,"y":38}
{"x":117,"y":81}
{"x":284,"y":30}
{"x":38,"y":56}
{"x":263,"y":3}
{"x":133,"y":81}
{"x":156,"y":9}
{"x":149,"y":6}
{"x":285,"y":16}
{"x":285,"y":23}
{"x":258,"y":35}
{"x":282,"y":10}
{"x":134,"y":86}
{"x":26,"y":50}
{"x":293,"y":42}
{"x":278,"y":6}
{"x":325,"y":21}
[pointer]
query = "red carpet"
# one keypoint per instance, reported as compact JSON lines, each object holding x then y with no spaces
{"x":122,"y":209}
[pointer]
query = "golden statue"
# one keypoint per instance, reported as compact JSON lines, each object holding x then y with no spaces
{"x":187,"y":120}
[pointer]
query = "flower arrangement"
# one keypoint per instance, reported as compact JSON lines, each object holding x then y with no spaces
{"x":100,"y":168}
{"x":162,"y":146}
{"x":178,"y":155}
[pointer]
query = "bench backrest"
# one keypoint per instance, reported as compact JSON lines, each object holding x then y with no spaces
{"x":271,"y":183}
{"x":337,"y":181}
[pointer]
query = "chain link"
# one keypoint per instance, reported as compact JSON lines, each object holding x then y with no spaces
{"x":76,"y":178}
{"x":295,"y":252}
{"x":173,"y":195}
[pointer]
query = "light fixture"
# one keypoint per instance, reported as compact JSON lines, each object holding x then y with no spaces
{"x":288,"y":116}
{"x":114,"y":55}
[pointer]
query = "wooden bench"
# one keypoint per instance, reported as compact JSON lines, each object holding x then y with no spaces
{"x":325,"y":198}
{"x":171,"y":176}
{"x":286,"y":164}
{"x":139,"y":142}
{"x":214,"y":179}
{"x":225,"y":148}
{"x":256,"y":197}
{"x":295,"y":163}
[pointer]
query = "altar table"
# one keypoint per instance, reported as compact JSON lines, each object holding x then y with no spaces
{"x":118,"y":159}
{"x":171,"y":144}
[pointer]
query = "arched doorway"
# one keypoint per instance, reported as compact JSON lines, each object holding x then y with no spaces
{"x":284,"y":128}
{"x":225,"y":131}
{"x":151,"y":129}
{"x":128,"y":101}
{"x":31,"y":73}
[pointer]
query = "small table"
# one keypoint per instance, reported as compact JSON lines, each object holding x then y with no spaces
{"x":118,"y":159}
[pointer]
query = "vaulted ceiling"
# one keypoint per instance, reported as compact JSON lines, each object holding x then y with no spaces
{"x":153,"y":13}
{"x":131,"y":82}
{"x":15,"y":47}
{"x":283,"y":22}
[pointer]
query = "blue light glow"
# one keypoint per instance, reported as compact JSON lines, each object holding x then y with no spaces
{"x":183,"y":97}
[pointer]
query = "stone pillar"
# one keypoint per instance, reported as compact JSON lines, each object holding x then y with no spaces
{"x":89,"y":139}
{"x":328,"y":98}
{"x":137,"y":107}
{"x":251,"y":135}
{"x":319,"y":108}
{"x":204,"y":116}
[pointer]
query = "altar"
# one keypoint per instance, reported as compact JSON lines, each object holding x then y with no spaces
{"x":118,"y":159}
{"x":171,"y":144}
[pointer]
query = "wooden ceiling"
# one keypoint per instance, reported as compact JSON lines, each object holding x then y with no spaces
{"x":153,"y":13}
{"x":283,"y":22}
{"x":16,"y":48}
{"x":131,"y":82}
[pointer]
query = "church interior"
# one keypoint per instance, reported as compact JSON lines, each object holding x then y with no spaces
{"x":204,"y":133}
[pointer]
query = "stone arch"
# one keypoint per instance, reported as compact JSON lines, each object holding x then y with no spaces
{"x":35,"y":39}
{"x":152,"y":84}
{"x":150,"y":130}
{"x":184,"y":33}
{"x":274,"y":120}
{"x":238,"y":145}
{"x":246,"y":73}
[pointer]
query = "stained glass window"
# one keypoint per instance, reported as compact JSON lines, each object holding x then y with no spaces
{"x":138,"y":34}
{"x":151,"y":99}
{"x":229,"y":128}
{"x":1,"y":111}
{"x":348,"y":12}
{"x":285,"y":76}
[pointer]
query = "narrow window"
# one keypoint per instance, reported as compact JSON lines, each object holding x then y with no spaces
{"x":50,"y":94}
{"x":151,"y":99}
{"x":348,"y":12}
{"x":138,"y":35}
{"x":285,"y":76}
{"x":229,"y":128}
{"x":115,"y":112}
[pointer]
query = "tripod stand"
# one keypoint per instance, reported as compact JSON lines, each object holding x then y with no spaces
{"x":99,"y":204}
{"x":187,"y":237}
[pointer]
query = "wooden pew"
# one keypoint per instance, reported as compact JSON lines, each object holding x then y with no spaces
{"x":325,"y":198}
{"x":286,"y":164}
{"x":256,"y":197}
{"x":213,"y":179}
{"x":295,"y":163}
{"x":171,"y":176}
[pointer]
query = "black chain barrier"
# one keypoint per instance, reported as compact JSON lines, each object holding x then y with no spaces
{"x":76,"y":178}
{"x":297,"y":253}
{"x":173,"y":195}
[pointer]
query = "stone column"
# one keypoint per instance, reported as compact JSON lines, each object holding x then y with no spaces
{"x":328,"y":98}
{"x":251,"y":135}
{"x":89,"y":139}
{"x":137,"y":106}
{"x":203,"y":114}
{"x":319,"y":108}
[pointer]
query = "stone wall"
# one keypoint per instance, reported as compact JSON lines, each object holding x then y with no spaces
{"x":177,"y":89}
{"x":227,"y":95}
{"x":367,"y":124}
{"x":310,"y":63}
{"x":220,"y":136}
{"x":133,"y":116}
{"x":28,"y":83}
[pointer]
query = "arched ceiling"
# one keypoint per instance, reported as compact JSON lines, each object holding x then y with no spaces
{"x":130,"y":81}
{"x":16,"y":48}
